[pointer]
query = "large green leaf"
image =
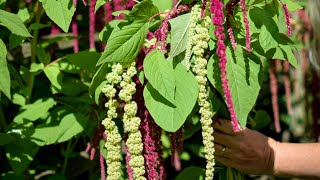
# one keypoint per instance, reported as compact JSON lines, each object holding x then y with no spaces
{"x":100,"y":3}
{"x":191,"y":173}
{"x":54,"y":75}
{"x":5,"y":139}
{"x":143,"y":10}
{"x":266,"y":39}
{"x":68,"y":127}
{"x":125,"y":43}
{"x":34,"y":111}
{"x":163,"y":5}
{"x":166,"y":115}
{"x":98,"y":78}
{"x":160,"y":74}
{"x":86,"y":60}
{"x":179,"y":34}
{"x":243,"y":72}
{"x":60,"y":12}
{"x":13,"y":23}
{"x":5,"y":75}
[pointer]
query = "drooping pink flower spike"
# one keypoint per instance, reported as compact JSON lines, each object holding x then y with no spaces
{"x":287,"y":15}
{"x":102,"y":166}
{"x":230,"y":11}
{"x":216,"y":9}
{"x":83,"y":1}
{"x":92,"y":23}
{"x":203,"y":8}
{"x":246,"y":24}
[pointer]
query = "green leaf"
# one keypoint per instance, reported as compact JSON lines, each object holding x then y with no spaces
{"x":125,"y":43}
{"x":60,"y":12}
{"x":13,"y":23}
{"x":261,"y":120}
{"x":69,"y":125}
{"x":191,"y":173}
{"x":34,"y":111}
{"x":267,"y":40}
{"x":100,"y":3}
{"x":160,"y":74}
{"x":20,"y":153}
{"x":24,"y":14}
{"x":243,"y":72}
{"x":284,"y":52}
{"x":54,"y":75}
{"x":5,"y":81}
{"x":35,"y":67}
{"x":167,"y":116}
{"x":179,"y":34}
{"x":15,"y":40}
{"x":86,"y":60}
{"x":98,"y":78}
{"x":43,"y":56}
{"x":292,"y":6}
{"x":163,"y":5}
{"x":143,"y":11}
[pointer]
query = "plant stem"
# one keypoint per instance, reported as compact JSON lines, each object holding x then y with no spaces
{"x":65,"y":163}
{"x":38,"y":13}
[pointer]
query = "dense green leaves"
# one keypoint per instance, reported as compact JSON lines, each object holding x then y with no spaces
{"x":5,"y":76}
{"x":179,"y":34}
{"x":243,"y":72}
{"x":143,"y":11}
{"x":86,"y":60}
{"x":168,"y":116}
{"x":124,"y":43}
{"x":60,"y":12}
{"x":13,"y":23}
{"x":160,"y":74}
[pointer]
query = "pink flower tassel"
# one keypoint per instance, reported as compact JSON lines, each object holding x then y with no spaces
{"x":117,"y":5}
{"x":173,"y":140}
{"x":230,"y":9}
{"x":129,"y":169}
{"x":246,"y":24}
{"x":74,"y":27}
{"x":129,"y":4}
{"x":203,"y":8}
{"x":217,"y":19}
{"x":180,"y":139}
{"x":288,"y":21}
{"x":108,"y":12}
{"x":102,"y":167}
{"x":92,"y":22}
{"x":92,"y":153}
{"x":55,"y":30}
{"x":274,"y":94}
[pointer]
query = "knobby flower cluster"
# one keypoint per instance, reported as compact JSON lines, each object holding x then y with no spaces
{"x":197,"y":44}
{"x":217,"y":19}
{"x":112,"y":133}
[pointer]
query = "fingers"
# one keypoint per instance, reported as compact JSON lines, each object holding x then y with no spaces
{"x":223,"y":139}
{"x":225,"y":161}
{"x":224,"y":126}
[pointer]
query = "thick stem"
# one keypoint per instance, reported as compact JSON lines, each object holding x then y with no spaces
{"x":38,"y":13}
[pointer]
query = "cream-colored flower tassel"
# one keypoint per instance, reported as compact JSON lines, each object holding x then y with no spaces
{"x":199,"y":41}
{"x":132,"y":123}
{"x":112,"y":133}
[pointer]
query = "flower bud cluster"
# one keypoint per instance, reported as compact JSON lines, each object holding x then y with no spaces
{"x":200,"y":41}
{"x":132,"y":123}
{"x":112,"y":133}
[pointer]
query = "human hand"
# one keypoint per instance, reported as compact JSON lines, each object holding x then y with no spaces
{"x":247,"y":151}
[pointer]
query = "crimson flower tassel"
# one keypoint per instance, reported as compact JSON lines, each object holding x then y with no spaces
{"x":92,"y":23}
{"x":173,"y":140}
{"x":83,"y":1}
{"x":287,"y":15}
{"x":129,"y":4}
{"x":203,"y":8}
{"x":217,"y":19}
{"x":287,"y":86}
{"x":246,"y":24}
{"x":274,"y":94}
{"x":74,"y":27}
{"x":129,"y":169}
{"x":54,"y":30}
{"x":102,"y":167}
{"x":180,"y":139}
{"x":117,"y":5}
{"x":230,"y":11}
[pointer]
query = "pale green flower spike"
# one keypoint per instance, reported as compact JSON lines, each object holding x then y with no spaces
{"x":113,"y":142}
{"x":131,"y":123}
{"x":198,"y":42}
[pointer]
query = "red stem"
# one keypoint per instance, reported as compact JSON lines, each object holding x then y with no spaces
{"x":287,"y":85}
{"x":274,"y":94}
